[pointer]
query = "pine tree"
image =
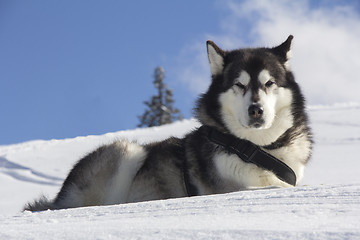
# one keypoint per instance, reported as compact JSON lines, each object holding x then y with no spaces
{"x":160,"y":108}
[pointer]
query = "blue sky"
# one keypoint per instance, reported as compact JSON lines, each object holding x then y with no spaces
{"x":74,"y":68}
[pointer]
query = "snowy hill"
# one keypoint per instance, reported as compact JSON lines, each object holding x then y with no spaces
{"x":326,"y":204}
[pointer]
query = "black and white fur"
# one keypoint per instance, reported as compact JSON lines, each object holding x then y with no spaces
{"x":253,"y":96}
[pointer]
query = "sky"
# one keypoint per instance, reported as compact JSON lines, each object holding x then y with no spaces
{"x":78,"y":68}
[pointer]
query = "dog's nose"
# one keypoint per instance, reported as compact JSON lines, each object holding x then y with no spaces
{"x":255,"y":110}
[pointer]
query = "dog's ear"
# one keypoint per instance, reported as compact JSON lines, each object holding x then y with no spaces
{"x":283,"y":51}
{"x":216,"y":58}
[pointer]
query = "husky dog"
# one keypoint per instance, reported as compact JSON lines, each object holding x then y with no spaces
{"x":254,"y":134}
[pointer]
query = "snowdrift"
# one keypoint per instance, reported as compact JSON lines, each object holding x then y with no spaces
{"x":325,"y":206}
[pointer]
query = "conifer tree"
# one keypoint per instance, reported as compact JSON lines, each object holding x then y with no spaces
{"x":160,"y":108}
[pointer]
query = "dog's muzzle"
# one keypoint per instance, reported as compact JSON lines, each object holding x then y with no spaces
{"x":256,"y":112}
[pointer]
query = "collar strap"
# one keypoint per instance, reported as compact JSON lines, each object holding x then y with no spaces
{"x":190,"y":188}
{"x":251,"y":153}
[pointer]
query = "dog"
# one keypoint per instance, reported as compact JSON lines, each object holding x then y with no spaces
{"x":254,"y":134}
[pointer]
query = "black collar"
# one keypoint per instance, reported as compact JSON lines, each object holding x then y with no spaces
{"x":251,"y":153}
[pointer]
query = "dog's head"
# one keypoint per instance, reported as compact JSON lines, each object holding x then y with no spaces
{"x":250,"y":91}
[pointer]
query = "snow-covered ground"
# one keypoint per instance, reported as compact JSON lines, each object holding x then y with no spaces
{"x":326,"y":205}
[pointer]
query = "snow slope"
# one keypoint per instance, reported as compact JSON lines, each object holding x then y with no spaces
{"x":325,"y":206}
{"x":330,"y":212}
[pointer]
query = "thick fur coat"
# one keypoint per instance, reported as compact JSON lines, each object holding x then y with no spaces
{"x":253,"y":96}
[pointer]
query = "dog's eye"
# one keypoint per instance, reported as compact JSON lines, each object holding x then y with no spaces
{"x":269,"y":83}
{"x":241,"y":86}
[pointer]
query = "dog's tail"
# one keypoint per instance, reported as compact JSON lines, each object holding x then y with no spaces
{"x":41,"y":204}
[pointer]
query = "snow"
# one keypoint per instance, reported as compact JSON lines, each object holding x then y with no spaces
{"x":326,"y":205}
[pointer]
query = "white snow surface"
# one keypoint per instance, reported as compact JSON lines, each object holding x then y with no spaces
{"x":326,"y":204}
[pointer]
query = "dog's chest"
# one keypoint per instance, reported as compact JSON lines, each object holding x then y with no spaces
{"x":244,"y":175}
